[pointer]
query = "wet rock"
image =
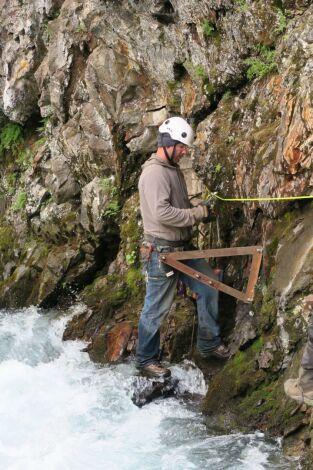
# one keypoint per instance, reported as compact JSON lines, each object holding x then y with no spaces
{"x":145,"y":390}
{"x":117,"y":340}
{"x":8,"y":269}
{"x":297,"y":248}
{"x":245,"y":328}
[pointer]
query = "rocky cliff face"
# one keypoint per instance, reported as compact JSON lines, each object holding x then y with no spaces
{"x":84,"y":86}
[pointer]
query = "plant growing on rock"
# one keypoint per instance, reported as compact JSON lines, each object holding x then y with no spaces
{"x":262,"y":65}
{"x":131,"y":258}
{"x":113,"y":208}
{"x":10,"y":137}
{"x":281,"y":20}
{"x":208,"y":29}
{"x":20,"y":201}
{"x":200,"y":71}
{"x":242,"y":5}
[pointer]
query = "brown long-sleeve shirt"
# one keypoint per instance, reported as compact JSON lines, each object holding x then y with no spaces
{"x":164,"y":203}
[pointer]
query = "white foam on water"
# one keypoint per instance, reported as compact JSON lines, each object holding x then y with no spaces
{"x":60,"y":411}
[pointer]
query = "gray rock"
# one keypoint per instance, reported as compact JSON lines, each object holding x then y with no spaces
{"x":95,"y":198}
{"x":60,"y":181}
{"x":145,"y":390}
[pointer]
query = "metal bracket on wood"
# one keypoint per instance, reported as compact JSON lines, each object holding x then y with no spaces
{"x":174,"y":259}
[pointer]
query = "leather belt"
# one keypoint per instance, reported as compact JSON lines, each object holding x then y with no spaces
{"x":165,"y":243}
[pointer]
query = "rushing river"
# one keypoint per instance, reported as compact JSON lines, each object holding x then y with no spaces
{"x":60,"y":411}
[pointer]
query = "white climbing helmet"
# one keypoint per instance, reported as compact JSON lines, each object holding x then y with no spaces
{"x":178,"y":129}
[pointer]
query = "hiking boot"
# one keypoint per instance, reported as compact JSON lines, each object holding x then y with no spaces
{"x":220,"y":352}
{"x":155,"y":370}
{"x":294,"y":390}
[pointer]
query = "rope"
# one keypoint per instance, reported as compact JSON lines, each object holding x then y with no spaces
{"x":249,"y":199}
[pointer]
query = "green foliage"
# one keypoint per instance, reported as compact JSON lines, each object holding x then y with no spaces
{"x":262,"y":65}
{"x":208,"y":29}
{"x":25,"y":157}
{"x":209,"y":89}
{"x":55,"y":14}
{"x":242,"y":5}
{"x":131,"y":258}
{"x":107,"y":185}
{"x":226,"y":96}
{"x":112,"y":210}
{"x":174,"y":94}
{"x":10,"y":183}
{"x":80,"y":28}
{"x":20,"y":201}
{"x":218,"y":168}
{"x":10,"y":137}
{"x":200,"y":71}
{"x":43,"y":126}
{"x":282,"y":21}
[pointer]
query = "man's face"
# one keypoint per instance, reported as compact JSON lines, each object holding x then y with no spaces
{"x":180,"y":151}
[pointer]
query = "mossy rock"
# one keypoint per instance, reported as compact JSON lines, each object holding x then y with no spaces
{"x":131,"y":230}
{"x":239,"y":376}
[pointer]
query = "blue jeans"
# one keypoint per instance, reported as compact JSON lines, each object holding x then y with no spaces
{"x":160,"y":292}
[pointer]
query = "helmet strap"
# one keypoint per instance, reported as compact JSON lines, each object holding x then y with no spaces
{"x":170,"y":159}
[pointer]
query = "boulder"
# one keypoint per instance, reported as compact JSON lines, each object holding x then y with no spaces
{"x":117,"y":340}
{"x":145,"y":390}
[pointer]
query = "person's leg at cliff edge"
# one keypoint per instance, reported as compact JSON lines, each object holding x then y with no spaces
{"x":160,"y":292}
{"x":209,"y":342}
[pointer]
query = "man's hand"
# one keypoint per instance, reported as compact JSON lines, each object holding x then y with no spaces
{"x":211,"y":215}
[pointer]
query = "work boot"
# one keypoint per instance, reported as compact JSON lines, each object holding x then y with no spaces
{"x":155,"y":370}
{"x":220,"y":352}
{"x":294,"y":390}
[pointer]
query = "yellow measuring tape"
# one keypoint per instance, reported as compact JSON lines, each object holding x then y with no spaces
{"x":248,"y":199}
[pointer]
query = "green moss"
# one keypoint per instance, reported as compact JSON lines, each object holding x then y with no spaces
{"x":257,"y":345}
{"x":134,"y":280}
{"x":6,"y":238}
{"x":268,"y":313}
{"x":269,"y":407}
{"x":240,"y":375}
{"x":272,"y":248}
{"x":131,"y":229}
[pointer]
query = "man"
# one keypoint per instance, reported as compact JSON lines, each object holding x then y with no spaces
{"x":167,"y":219}
{"x":301,"y":389}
